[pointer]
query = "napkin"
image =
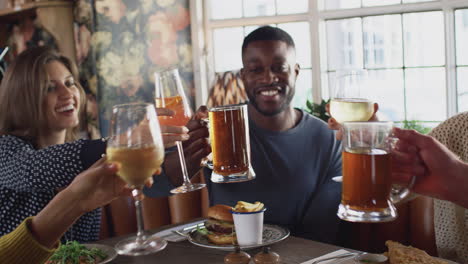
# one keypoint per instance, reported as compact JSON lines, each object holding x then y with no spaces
{"x":169,"y":235}
{"x":332,"y":254}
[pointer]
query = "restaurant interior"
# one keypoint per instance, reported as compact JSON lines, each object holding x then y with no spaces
{"x":413,"y":51}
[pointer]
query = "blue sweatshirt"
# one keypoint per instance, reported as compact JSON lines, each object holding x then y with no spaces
{"x":294,"y":170}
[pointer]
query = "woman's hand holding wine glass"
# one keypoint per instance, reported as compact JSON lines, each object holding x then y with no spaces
{"x":136,"y":146}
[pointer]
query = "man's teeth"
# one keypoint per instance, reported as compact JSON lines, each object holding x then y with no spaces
{"x":269,"y":92}
{"x":65,"y":108}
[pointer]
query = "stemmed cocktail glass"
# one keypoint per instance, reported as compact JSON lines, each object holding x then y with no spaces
{"x":136,"y":145}
{"x":169,"y":94}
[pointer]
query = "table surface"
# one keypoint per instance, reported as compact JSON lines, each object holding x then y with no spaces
{"x":291,"y":250}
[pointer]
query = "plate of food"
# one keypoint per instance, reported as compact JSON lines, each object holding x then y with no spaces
{"x":74,"y":252}
{"x":218,"y":231}
{"x":398,"y":253}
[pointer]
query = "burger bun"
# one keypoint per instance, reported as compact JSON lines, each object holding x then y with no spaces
{"x":221,"y":212}
{"x":222,"y":239}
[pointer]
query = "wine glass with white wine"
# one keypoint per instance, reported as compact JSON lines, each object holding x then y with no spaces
{"x":348,"y":103}
{"x":136,"y":145}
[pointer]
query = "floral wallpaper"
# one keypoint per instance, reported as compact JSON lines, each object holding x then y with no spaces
{"x":27,"y":33}
{"x":121,"y":43}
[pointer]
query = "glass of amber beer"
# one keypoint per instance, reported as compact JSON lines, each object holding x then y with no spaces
{"x":367,"y":192}
{"x":230,"y":144}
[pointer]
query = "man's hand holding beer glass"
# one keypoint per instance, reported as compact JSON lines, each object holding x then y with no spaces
{"x":439,"y":172}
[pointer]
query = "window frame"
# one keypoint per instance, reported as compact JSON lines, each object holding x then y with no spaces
{"x":202,"y":29}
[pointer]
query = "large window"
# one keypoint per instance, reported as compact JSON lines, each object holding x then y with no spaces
{"x":413,"y":50}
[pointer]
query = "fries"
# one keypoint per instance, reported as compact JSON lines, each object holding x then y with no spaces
{"x":243,"y":207}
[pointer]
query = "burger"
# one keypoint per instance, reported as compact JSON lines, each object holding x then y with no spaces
{"x":220,"y":225}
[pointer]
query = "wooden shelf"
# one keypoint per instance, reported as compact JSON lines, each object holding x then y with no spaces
{"x":12,"y":14}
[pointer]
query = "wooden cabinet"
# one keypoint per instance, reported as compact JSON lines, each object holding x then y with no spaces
{"x":55,"y":17}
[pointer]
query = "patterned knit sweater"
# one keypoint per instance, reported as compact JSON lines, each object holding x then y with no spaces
{"x":30,"y":178}
{"x":451,"y":220}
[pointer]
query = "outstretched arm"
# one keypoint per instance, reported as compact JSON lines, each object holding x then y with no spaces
{"x":93,"y":188}
{"x":33,"y":241}
{"x":439,"y":172}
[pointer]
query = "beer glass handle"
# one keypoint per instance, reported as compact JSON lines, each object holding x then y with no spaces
{"x":398,"y":192}
{"x":207,"y":162}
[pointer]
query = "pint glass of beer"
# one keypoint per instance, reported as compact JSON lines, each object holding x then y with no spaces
{"x":367,"y":191}
{"x":230,"y":144}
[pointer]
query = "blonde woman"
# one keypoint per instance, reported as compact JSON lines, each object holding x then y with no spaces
{"x":40,"y":104}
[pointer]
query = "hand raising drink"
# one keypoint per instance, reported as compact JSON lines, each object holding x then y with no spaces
{"x":136,"y":146}
{"x":169,"y":94}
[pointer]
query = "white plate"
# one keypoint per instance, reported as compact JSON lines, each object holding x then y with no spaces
{"x":110,"y":252}
{"x":271,"y":234}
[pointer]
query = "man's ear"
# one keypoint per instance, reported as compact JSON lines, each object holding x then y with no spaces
{"x":297,"y":68}
{"x":242,"y":71}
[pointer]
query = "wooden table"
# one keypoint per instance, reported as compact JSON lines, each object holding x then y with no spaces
{"x":291,"y":250}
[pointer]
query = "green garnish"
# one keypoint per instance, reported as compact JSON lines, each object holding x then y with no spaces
{"x":202,"y":230}
{"x":73,"y":252}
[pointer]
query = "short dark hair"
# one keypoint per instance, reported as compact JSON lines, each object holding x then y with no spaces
{"x":268,"y":33}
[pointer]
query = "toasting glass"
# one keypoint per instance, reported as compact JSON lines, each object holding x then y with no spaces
{"x":348,"y":102}
{"x":367,"y":191}
{"x":169,"y":94}
{"x":136,"y":145}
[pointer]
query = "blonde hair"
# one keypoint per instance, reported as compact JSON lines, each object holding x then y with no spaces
{"x":23,"y":90}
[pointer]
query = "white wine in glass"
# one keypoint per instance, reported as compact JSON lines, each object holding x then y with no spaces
{"x":348,"y":103}
{"x":136,"y":145}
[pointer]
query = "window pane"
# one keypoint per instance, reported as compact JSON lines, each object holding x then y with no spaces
{"x":462,"y":84}
{"x":342,"y":4}
{"x":227,"y":48}
{"x":225,"y":9}
{"x":379,"y":2}
{"x":461,"y":29}
{"x":344,"y":43}
{"x":303,"y":88}
{"x":382,"y":48}
{"x":424,"y":39}
{"x":285,"y":6}
{"x":258,"y":7}
{"x":386,"y":88}
{"x":299,"y":31}
{"x":426,"y":94}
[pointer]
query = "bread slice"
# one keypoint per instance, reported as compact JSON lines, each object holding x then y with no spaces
{"x":401,"y":254}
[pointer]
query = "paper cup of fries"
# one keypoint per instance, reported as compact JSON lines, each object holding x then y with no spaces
{"x":248,"y":222}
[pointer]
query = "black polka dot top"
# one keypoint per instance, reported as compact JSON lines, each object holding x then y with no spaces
{"x":30,"y":178}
